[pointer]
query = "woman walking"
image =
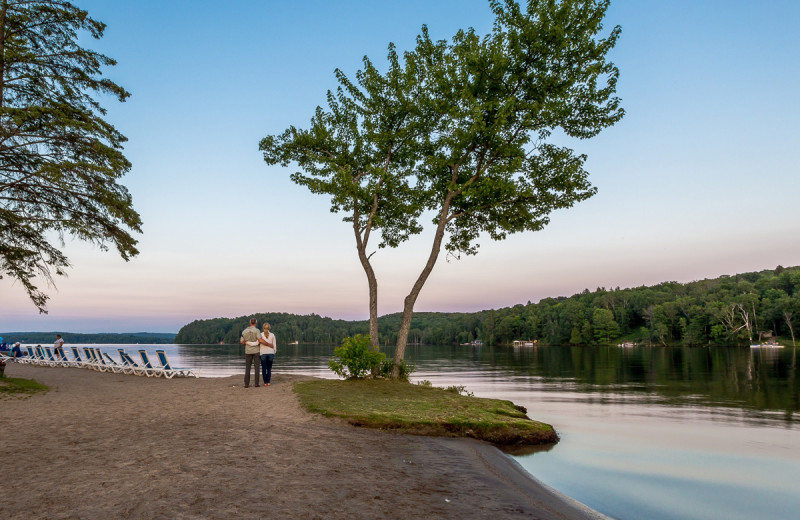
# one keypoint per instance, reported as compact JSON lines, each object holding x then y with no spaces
{"x":268,"y":348}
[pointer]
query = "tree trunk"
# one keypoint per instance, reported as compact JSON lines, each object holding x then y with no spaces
{"x":372,"y":282}
{"x":788,"y":317}
{"x":411,"y":299}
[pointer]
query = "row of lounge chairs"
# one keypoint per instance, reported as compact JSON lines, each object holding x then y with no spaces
{"x":96,"y":359}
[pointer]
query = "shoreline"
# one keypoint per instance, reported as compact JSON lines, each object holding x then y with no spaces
{"x":114,"y":445}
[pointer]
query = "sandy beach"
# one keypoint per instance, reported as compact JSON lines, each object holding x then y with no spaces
{"x":102,"y":445}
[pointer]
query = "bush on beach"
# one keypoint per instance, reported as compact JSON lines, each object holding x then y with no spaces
{"x":355,"y":359}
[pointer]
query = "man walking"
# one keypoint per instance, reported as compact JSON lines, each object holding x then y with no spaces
{"x":249,"y":339}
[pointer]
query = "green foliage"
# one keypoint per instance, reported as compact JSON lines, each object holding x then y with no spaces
{"x":355,"y":359}
{"x":696,"y":313}
{"x":59,"y":159}
{"x":603,"y":326}
{"x":309,"y":328}
{"x":461,"y":128}
{"x":727,"y":310}
{"x":404,"y":372}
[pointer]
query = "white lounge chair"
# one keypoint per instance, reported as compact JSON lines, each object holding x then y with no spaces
{"x":149,"y":369}
{"x":93,"y":362}
{"x":130,"y":365}
{"x":61,"y":357}
{"x":31,"y":359}
{"x":78,"y":362}
{"x":45,"y":357}
{"x":110,"y":362}
{"x":169,"y":370}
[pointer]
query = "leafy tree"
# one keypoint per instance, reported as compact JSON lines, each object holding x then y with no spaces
{"x":462,"y":129}
{"x":59,"y":159}
{"x":359,"y":152}
{"x":489,"y":167}
{"x":576,"y":338}
{"x":603,"y":326}
{"x":790,"y":309}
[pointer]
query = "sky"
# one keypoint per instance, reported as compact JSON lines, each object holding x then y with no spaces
{"x":699,"y":179}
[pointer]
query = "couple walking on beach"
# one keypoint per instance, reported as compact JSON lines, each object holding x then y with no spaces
{"x":258,"y":345}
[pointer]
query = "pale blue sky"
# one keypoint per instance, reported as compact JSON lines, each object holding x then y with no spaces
{"x":699,"y":179}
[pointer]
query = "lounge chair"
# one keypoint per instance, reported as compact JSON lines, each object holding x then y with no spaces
{"x":77,"y":356}
{"x":50,"y":360}
{"x":34,"y":354}
{"x":42,"y":357}
{"x":94,"y":363}
{"x":38,"y":357}
{"x":130,"y":365}
{"x":149,"y":369}
{"x":169,"y":370}
{"x":90,"y":362}
{"x":61,"y":357}
{"x":31,"y":359}
{"x":112,"y":364}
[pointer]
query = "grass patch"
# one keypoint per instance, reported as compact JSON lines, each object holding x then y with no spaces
{"x":423,"y":410}
{"x":17,"y":387}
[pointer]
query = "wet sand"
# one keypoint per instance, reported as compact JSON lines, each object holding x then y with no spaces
{"x":102,"y":445}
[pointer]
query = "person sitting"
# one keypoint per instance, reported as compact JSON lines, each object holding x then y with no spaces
{"x":16,"y":351}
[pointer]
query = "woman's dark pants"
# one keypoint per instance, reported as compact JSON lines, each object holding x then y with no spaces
{"x":266,"y":367}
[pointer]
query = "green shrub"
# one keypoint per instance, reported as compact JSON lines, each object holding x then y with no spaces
{"x":405,"y":369}
{"x":355,"y":359}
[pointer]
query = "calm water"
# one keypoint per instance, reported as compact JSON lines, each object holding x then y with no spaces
{"x":646,"y":433}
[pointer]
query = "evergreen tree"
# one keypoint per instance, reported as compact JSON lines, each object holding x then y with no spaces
{"x":59,"y":159}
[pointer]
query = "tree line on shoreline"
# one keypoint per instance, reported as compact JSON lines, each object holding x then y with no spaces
{"x":132,"y":338}
{"x":728,"y":310}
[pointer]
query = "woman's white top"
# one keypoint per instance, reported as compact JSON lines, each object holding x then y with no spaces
{"x":271,"y":339}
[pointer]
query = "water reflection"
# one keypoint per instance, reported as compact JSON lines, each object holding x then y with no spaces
{"x":741,"y":378}
{"x":752,"y":384}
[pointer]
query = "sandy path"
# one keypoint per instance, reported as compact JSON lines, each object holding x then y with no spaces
{"x":102,"y":445}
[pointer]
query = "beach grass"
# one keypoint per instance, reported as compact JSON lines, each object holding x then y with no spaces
{"x":423,"y":410}
{"x":17,"y":387}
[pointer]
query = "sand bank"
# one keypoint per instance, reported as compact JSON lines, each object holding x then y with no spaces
{"x":102,"y":445}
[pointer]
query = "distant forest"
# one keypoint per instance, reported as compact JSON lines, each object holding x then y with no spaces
{"x":729,"y":310}
{"x":47,"y":338}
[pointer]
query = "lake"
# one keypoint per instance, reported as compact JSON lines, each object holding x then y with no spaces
{"x":646,"y":432}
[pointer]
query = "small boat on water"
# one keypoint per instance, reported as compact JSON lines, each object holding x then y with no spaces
{"x":628,"y":344}
{"x":294,"y":343}
{"x":766,"y":345}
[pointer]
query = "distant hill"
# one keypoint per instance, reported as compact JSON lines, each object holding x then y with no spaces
{"x":728,"y":310}
{"x":45,"y":338}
